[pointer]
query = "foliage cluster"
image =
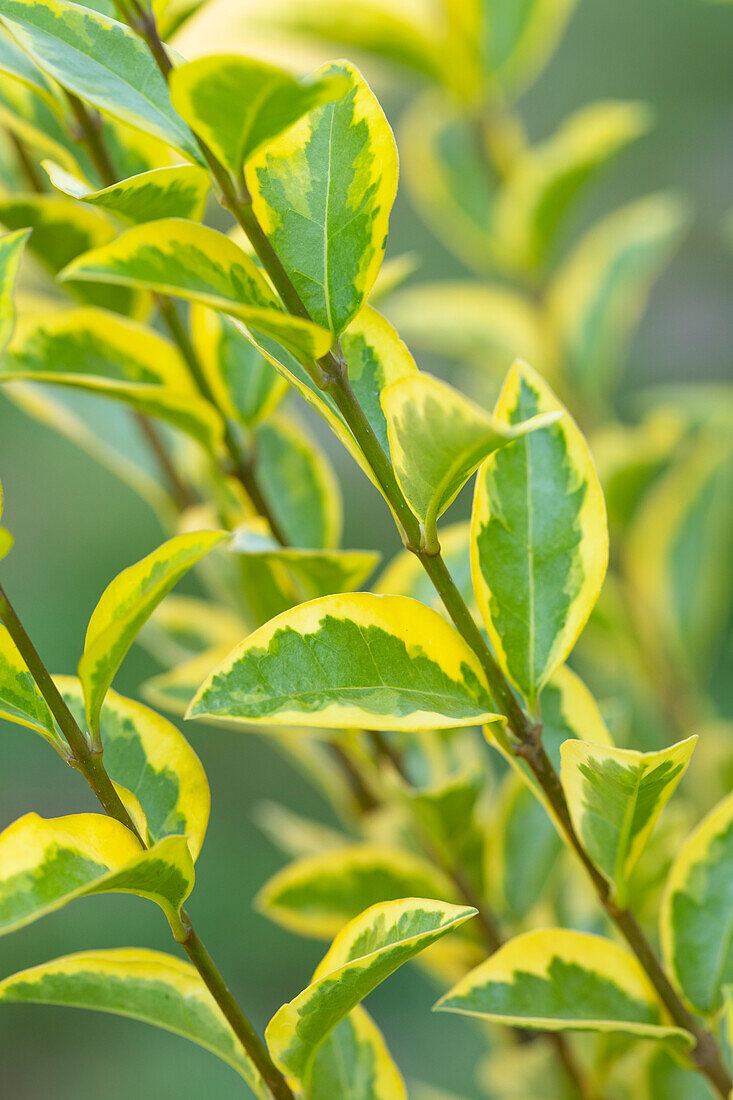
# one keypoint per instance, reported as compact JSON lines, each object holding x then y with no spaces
{"x":532,"y":880}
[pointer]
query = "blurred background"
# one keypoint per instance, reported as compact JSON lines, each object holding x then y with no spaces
{"x":76,"y":526}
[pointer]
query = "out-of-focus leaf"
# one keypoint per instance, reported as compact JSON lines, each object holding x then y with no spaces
{"x":11,"y":251}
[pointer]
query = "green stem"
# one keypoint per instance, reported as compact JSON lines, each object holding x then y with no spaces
{"x":90,"y":764}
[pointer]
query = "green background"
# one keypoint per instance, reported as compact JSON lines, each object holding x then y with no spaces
{"x":76,"y":526}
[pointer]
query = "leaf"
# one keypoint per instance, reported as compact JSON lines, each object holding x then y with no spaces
{"x":93,"y":350}
{"x":354,"y":1063}
{"x":405,"y":576}
{"x":615,"y":797}
{"x":37,"y":123}
{"x":666,"y":1079}
{"x":174,"y":690}
{"x":375,"y":356}
{"x":598,"y":296}
{"x":190,"y":261}
{"x":449,"y":181}
{"x":562,"y":980}
{"x":14,"y":62}
{"x":126,"y":604}
{"x":47,"y":862}
{"x":299,"y":484}
{"x":6,"y":543}
{"x":518,"y":872}
{"x":179,"y":191}
{"x":677,"y":556}
{"x":450,"y":814}
{"x":11,"y":251}
{"x":308,"y":573}
{"x":61,"y":230}
{"x":20,"y":699}
{"x":143,"y":985}
{"x":316,"y":895}
{"x":294,"y":835}
{"x":540,"y":541}
{"x":272,"y":100}
{"x":546,"y":179}
{"x":364,"y":953}
{"x":102,"y":62}
{"x":184,"y":626}
{"x":437,"y":439}
{"x":53,"y":412}
{"x":516,"y":41}
{"x":695,"y":925}
{"x":243,"y":382}
{"x":568,"y":711}
{"x":171,"y":15}
{"x":145,"y":754}
{"x":487,"y":325}
{"x":323,"y":194}
{"x":353,"y":661}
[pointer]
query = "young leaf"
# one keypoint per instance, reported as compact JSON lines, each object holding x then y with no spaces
{"x":20,"y":699}
{"x":615,"y":798}
{"x":272,"y":100}
{"x":146,"y":754}
{"x":178,"y":191}
{"x":562,"y":980}
{"x":323,"y":194}
{"x":174,"y":256}
{"x":243,"y":382}
{"x":599,"y":294}
{"x":102,"y":62}
{"x":540,"y":541}
{"x":126,"y":604}
{"x":46,"y":863}
{"x":437,"y":439}
{"x":11,"y":251}
{"x":487,"y":325}
{"x":299,"y":484}
{"x":695,"y":921}
{"x":354,"y":1063}
{"x":364,"y":953}
{"x":380,"y":662}
{"x":317,"y":895}
{"x":546,"y":179}
{"x":144,"y":985}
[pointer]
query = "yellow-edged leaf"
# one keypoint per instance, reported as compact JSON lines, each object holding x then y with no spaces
{"x":176,"y":191}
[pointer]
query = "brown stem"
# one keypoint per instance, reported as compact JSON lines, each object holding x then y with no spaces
{"x":30,"y":171}
{"x":90,"y":133}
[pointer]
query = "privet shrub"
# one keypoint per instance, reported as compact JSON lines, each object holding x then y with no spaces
{"x":533,"y":883}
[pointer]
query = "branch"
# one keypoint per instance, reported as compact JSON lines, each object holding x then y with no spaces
{"x":89,"y":763}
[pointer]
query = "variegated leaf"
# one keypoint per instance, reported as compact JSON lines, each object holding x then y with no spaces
{"x":126,"y":604}
{"x":46,"y":863}
{"x":20,"y":699}
{"x":437,"y":439}
{"x":146,"y":754}
{"x":615,"y":798}
{"x":145,"y":985}
{"x":562,"y":980}
{"x":351,"y":661}
{"x":540,"y":541}
{"x":177,"y":191}
{"x":695,"y":920}
{"x":11,"y":251}
{"x":271,"y":102}
{"x":317,"y":895}
{"x":323,"y":194}
{"x":364,"y":953}
{"x":178,"y":257}
{"x":74,"y":45}
{"x":354,"y":1063}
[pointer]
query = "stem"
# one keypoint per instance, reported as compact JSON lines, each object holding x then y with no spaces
{"x":90,"y":132}
{"x":180,"y":492}
{"x":27,"y":163}
{"x":330,"y":374}
{"x":91,"y":766}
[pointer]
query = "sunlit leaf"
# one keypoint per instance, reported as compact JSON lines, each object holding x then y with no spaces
{"x":20,"y":699}
{"x":354,"y":1063}
{"x":178,"y":191}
